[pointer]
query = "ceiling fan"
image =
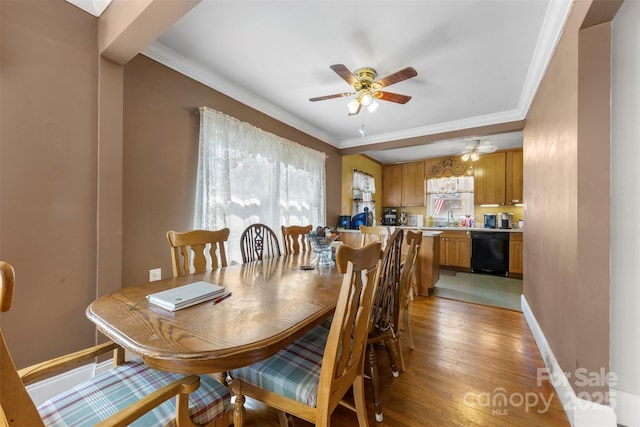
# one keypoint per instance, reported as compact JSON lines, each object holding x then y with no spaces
{"x":475,"y":148}
{"x":367,"y":88}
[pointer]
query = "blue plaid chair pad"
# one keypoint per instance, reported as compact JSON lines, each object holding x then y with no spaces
{"x":293,"y":372}
{"x":98,"y":398}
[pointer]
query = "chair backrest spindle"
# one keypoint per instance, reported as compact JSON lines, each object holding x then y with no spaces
{"x":189,"y":249}
{"x":259,"y":242}
{"x":294,"y":238}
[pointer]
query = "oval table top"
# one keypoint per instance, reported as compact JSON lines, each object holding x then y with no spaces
{"x":273,"y":302}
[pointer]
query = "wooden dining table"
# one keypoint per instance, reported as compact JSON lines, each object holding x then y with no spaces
{"x":273,"y":302}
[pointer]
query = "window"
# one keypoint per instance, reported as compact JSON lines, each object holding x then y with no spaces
{"x":449,"y":198}
{"x":247,"y":175}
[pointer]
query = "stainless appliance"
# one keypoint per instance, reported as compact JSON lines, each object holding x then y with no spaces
{"x":506,"y":220}
{"x":390,"y":217}
{"x":490,"y":252}
{"x":490,"y":221}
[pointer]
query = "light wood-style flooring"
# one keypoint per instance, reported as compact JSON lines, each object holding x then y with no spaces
{"x":467,"y":358}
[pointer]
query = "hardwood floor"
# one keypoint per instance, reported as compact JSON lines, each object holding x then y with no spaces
{"x":468,"y":359}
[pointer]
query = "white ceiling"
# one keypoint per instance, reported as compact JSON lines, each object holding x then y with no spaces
{"x":479,"y":63}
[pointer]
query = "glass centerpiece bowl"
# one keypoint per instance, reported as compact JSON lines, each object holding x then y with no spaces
{"x":321,"y":246}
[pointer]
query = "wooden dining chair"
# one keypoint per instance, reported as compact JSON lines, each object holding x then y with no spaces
{"x":129,"y":391}
{"x":294,"y":238}
{"x":375,"y":233}
{"x":309,"y":378}
{"x":258,"y":242}
{"x":196,"y":251}
{"x":386,"y":314}
{"x":407,"y":278}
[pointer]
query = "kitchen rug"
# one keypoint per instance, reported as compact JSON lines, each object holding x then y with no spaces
{"x":496,"y":291}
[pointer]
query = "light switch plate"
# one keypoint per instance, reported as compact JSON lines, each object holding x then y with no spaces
{"x":155,"y":274}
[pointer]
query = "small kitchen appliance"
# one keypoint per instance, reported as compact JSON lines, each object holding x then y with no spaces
{"x":506,"y":220}
{"x":490,"y":221}
{"x":403,"y":218}
{"x":415,"y":220}
{"x":390,"y":217}
{"x":344,"y":222}
{"x":363,"y":218}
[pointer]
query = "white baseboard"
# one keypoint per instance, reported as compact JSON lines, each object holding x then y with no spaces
{"x":44,"y":390}
{"x":581,"y":412}
{"x":627,"y":408}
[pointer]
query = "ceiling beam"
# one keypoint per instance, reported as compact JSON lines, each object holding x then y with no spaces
{"x":127,"y":27}
{"x":480,"y":131}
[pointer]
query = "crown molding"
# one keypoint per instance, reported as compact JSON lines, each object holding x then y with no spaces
{"x":169,"y":58}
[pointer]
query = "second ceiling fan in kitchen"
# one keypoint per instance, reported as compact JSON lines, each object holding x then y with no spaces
{"x":367,"y":89}
{"x":473,"y":150}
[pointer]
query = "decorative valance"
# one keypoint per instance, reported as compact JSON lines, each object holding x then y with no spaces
{"x":457,"y":184}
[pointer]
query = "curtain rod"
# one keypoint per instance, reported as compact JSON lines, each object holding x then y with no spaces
{"x":363,"y":172}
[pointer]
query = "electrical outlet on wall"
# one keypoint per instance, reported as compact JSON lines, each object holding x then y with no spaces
{"x":155,"y":274}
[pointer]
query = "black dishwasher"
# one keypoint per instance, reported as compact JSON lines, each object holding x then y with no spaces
{"x":490,"y":252}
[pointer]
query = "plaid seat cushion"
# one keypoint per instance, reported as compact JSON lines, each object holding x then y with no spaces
{"x":294,"y":371}
{"x":98,"y":398}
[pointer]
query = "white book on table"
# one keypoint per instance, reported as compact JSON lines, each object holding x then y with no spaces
{"x":186,"y":295}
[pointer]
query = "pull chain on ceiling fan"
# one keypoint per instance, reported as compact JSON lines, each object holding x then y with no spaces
{"x":367,"y":89}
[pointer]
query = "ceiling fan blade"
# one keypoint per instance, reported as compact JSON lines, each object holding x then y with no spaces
{"x":398,"y":76}
{"x":393,"y":97}
{"x":486,"y":149}
{"x":336,"y":95}
{"x":344,"y":72}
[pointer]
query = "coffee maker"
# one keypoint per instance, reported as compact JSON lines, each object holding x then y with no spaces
{"x":506,"y":220}
{"x":390,"y":217}
{"x":490,"y":220}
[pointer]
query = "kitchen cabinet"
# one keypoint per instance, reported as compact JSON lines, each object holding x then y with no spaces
{"x":455,"y":249}
{"x":489,"y":173}
{"x":498,"y":178}
{"x":413,"y":191}
{"x":515,"y":255}
{"x":403,"y":185}
{"x":513,"y":181}
{"x":392,"y":185}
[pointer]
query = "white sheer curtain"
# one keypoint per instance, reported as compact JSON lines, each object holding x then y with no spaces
{"x":247,"y":175}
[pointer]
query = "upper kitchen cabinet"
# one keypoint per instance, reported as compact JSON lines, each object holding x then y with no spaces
{"x":513,"y":190}
{"x":413,"y":191}
{"x":489,"y":179}
{"x":391,"y":185}
{"x":498,"y":178}
{"x":403,"y":185}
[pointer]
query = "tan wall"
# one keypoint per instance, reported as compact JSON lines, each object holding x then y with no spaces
{"x":160,"y":159}
{"x":566,"y":152}
{"x":48,"y":174}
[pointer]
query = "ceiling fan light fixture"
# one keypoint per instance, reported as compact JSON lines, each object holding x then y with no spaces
{"x":465,"y":157}
{"x":373,"y":106}
{"x":366,"y":99}
{"x":353,"y":106}
{"x":474,"y":156}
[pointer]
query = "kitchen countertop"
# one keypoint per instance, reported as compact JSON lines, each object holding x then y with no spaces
{"x":440,"y":229}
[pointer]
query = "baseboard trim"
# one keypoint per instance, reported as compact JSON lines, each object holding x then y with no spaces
{"x":627,"y":408}
{"x":580,"y":412}
{"x":44,"y":390}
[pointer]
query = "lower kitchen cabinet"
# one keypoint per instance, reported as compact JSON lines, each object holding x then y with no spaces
{"x":455,"y":249}
{"x":515,"y":255}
